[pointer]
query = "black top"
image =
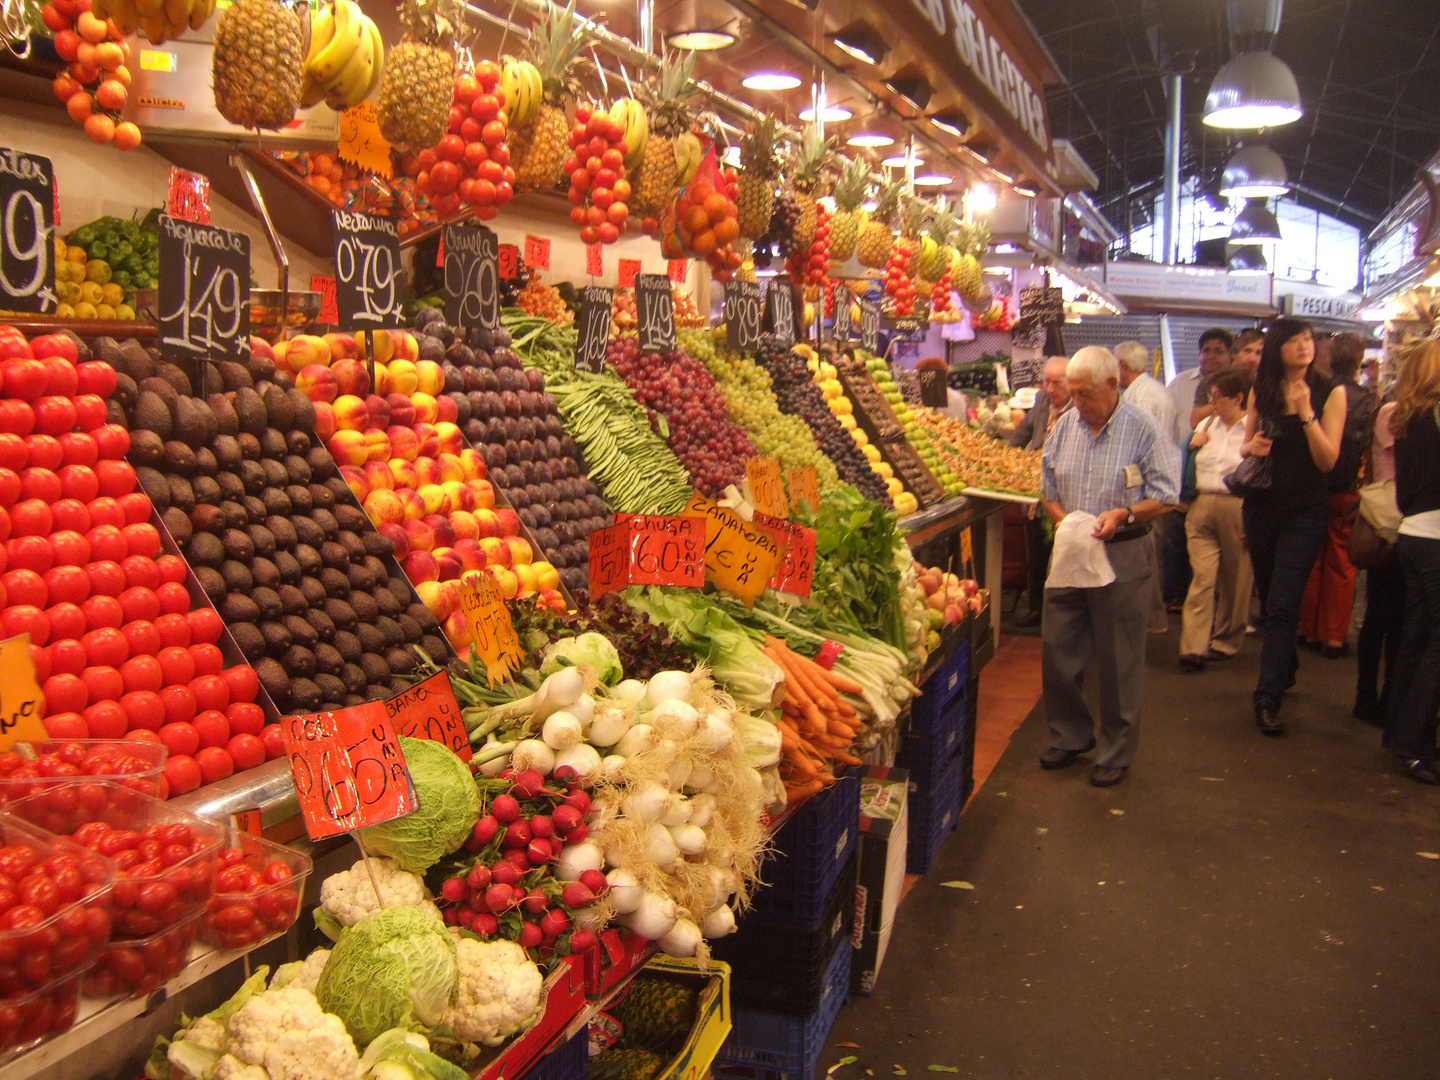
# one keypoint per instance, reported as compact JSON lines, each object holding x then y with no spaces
{"x":1297,"y":484}
{"x":1417,"y":466}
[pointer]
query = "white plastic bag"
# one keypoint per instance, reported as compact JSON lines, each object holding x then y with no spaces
{"x":1079,"y":561}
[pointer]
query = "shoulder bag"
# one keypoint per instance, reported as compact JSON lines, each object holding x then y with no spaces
{"x":1377,"y":523}
{"x":1189,"y":483}
{"x":1253,"y":475}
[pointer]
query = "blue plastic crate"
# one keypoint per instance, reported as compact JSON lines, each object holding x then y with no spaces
{"x":932,"y":709}
{"x":568,"y":1061}
{"x":927,"y":754}
{"x":934,"y":809}
{"x":767,"y":1046}
{"x":812,"y":850}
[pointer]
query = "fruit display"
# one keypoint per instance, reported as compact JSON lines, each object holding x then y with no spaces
{"x":809,"y":266}
{"x":807,"y":174}
{"x":978,"y":460}
{"x":417,"y":85}
{"x":655,"y":1017}
{"x":537,"y":298}
{"x":687,"y":409}
{"x":31,"y":767}
{"x":159,"y":24}
{"x":544,"y":85}
{"x":345,"y":57}
{"x":596,"y":168}
{"x":625,"y":314}
{"x":687,"y":315}
{"x":784,"y":223}
{"x":470,"y":165}
{"x":670,"y":148}
{"x":900,"y":286}
{"x":892,"y":441}
{"x":978,"y":376}
{"x":971,"y":240}
{"x":96,"y":82}
{"x":258,"y":64}
{"x":917,"y":436}
{"x":110,"y":251}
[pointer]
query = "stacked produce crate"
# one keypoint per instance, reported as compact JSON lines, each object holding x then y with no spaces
{"x":938,"y":750}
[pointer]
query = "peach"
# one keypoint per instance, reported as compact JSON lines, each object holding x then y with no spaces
{"x":304,"y":350}
{"x":471,"y":557}
{"x":461,"y":497}
{"x":382,"y":381}
{"x":351,"y":413}
{"x":342,"y":347}
{"x":436,"y":597}
{"x":406,"y":346}
{"x":379,"y":411}
{"x":379,"y":476}
{"x":278,"y":352}
{"x":449,"y":564}
{"x":464,"y":524}
{"x":529,"y":581}
{"x":484,"y":493}
{"x":355,"y":477}
{"x":384,"y":507}
{"x":403,"y":472}
{"x":446,"y":409}
{"x":316,"y":382}
{"x":429,"y":377}
{"x":509,"y":521}
{"x":457,"y":630}
{"x":520,"y":551}
{"x":348,"y":447}
{"x":451,"y":441}
{"x":414,"y":505}
{"x":497,"y":551}
{"x":421,"y":538}
{"x":421,"y":566}
{"x":429,"y":440}
{"x":552,"y":599}
{"x":384,"y":346}
{"x":426,"y":471}
{"x":403,"y":377}
{"x":325,"y":425}
{"x":508,"y":582}
{"x":259,"y":347}
{"x":377,"y":445}
{"x":425,"y":411}
{"x":547,"y":575}
{"x":472,"y":464}
{"x":487,"y":523}
{"x":440,"y":526}
{"x":436,"y":501}
{"x":402,"y":412}
{"x":351,"y":376}
{"x":450,"y":468}
{"x":396,"y":534}
{"x":404,"y":442}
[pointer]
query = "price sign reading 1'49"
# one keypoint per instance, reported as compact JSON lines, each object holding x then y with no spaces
{"x":780,"y":309}
{"x":655,"y":313}
{"x":870,"y":326}
{"x":593,"y":327}
{"x":27,"y":219}
{"x":840,"y":327}
{"x":367,"y":271}
{"x":469,"y":280}
{"x":743,"y":315}
{"x":204,"y":290}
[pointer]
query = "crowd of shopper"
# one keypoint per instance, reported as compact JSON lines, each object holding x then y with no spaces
{"x":1237,"y":496}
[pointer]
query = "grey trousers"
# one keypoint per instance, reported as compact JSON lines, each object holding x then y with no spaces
{"x":1106,"y":625}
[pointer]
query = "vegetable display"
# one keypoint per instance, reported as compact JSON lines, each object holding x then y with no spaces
{"x":448,"y":808}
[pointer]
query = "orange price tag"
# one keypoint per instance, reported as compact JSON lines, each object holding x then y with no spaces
{"x":361,"y":143}
{"x":767,"y":490}
{"x":804,"y":488}
{"x":325,"y":286}
{"x":429,"y":710}
{"x":492,"y":633}
{"x":609,"y":560}
{"x":967,"y":545}
{"x":189,"y":196}
{"x":797,"y":564}
{"x":679,"y":270}
{"x":629,"y":270}
{"x":537,"y":252}
{"x":509,"y":260}
{"x":348,"y":769}
{"x":647,"y":549}
{"x":21,"y":702}
{"x":247,"y":822}
{"x":594,"y":262}
{"x":739,"y":557}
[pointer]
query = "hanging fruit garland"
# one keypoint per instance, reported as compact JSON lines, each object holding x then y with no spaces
{"x":479,"y":123}
{"x":596,"y":168}
{"x":97,"y":82}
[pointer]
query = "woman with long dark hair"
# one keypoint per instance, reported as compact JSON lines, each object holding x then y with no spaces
{"x":1296,"y":419}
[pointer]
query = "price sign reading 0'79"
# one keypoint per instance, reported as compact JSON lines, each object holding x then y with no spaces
{"x":204,"y":290}
{"x":27,"y":219}
{"x":348,"y":769}
{"x":367,"y":271}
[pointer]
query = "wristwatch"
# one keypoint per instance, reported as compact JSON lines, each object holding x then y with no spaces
{"x":1314,"y":418}
{"x":1129,"y":516}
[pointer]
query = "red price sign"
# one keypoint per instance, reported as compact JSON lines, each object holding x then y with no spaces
{"x":428,"y":710}
{"x":440,"y":252}
{"x":797,"y":554}
{"x":325,"y":286}
{"x":348,"y":769}
{"x":189,"y":196}
{"x":609,"y":559}
{"x":509,"y":259}
{"x":491,"y":630}
{"x":537,"y":252}
{"x":647,"y":549}
{"x":594,"y":263}
{"x":679,"y":270}
{"x":629,"y":270}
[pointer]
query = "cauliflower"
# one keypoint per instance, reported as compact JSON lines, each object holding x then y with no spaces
{"x":350,"y":896}
{"x":287,"y":1033}
{"x":230,"y":1067}
{"x":499,"y":991}
{"x":207,"y":1032}
{"x":302,"y":974}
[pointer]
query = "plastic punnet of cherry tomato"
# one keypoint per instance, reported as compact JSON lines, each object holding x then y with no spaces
{"x":139,"y":967}
{"x":257,"y":894}
{"x":596,"y":168}
{"x":27,"y":1020}
{"x":54,"y":908}
{"x":32,"y":767}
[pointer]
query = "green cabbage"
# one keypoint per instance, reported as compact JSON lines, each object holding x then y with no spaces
{"x":393,"y":969}
{"x":594,"y":650}
{"x":449,"y":806}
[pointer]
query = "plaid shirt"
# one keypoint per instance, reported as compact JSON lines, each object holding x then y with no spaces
{"x":1084,"y":471}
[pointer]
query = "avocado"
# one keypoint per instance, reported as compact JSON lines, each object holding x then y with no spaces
{"x":153,"y":414}
{"x":177,"y":457}
{"x":177,"y":523}
{"x":161,"y":389}
{"x":409,"y":629}
{"x":336,"y":582}
{"x":275,"y":681}
{"x":283,"y":531}
{"x":347,"y":645}
{"x":378,"y":571}
{"x":297,"y":442}
{"x":254,"y":509}
{"x":272,"y":443}
{"x":115,"y":414}
{"x":190,"y":425}
{"x":377,"y":545}
{"x":423,"y":616}
{"x":327,"y":521}
{"x":334,"y":556}
{"x":361,"y":581}
{"x":321,"y":497}
{"x":307,"y":531}
{"x":274,"y":473}
{"x":205,"y":463}
{"x":276,"y":502}
{"x":249,"y":446}
{"x":181,"y":493}
{"x":209,"y":519}
{"x":305,"y":696}
{"x":237,"y":576}
{"x":146,"y":448}
{"x":263,"y":539}
{"x":314,"y":592}
{"x":249,"y":639}
{"x":322,"y":465}
{"x":308,"y":558}
{"x":173,"y":375}
{"x":125,"y":391}
{"x":435,"y":647}
{"x":297,"y":468}
{"x":292,"y":600}
{"x":279,"y":407}
{"x":227,"y":451}
{"x":386,"y":603}
{"x":375,"y":667}
{"x":266,"y":573}
{"x":391,"y":630}
{"x":206,"y":489}
{"x":302,"y":411}
{"x":288,"y":567}
{"x":353,"y":545}
{"x":252,"y":476}
{"x":330,"y":685}
{"x":138,"y":363}
{"x":250,"y":410}
{"x":341,"y":613}
{"x":211,"y":583}
{"x":372,"y":638}
{"x":401,"y":661}
{"x":268,"y":601}
{"x":236,"y":516}
{"x":366,"y":609}
{"x":353,"y":675}
{"x":341,"y":489}
{"x":237,"y":607}
{"x":234,"y":376}
{"x":323,"y":624}
{"x":299,"y":495}
{"x":299,"y":661}
{"x":238,"y":545}
{"x":226,"y":422}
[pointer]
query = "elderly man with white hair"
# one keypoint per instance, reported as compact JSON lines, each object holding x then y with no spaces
{"x":1148,"y":394}
{"x":1107,"y":458}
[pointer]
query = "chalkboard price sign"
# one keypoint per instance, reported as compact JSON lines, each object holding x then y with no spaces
{"x":367,"y":271}
{"x":593,"y":327}
{"x":935,"y":388}
{"x":472,"y":277}
{"x":655,"y":311}
{"x":780,"y":310}
{"x":1042,"y":307}
{"x":870,"y":326}
{"x":204,"y":290}
{"x":840,"y":326}
{"x":742,"y":315}
{"x":27,"y":220}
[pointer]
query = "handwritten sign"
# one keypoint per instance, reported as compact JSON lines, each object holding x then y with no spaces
{"x":840,"y":322}
{"x":325,"y":286}
{"x":367,"y":271}
{"x":188,"y":197}
{"x":797,"y":564}
{"x":780,"y":310}
{"x":647,"y":549}
{"x":655,"y":313}
{"x":629,"y":271}
{"x":804,"y":487}
{"x":348,"y":769}
{"x":1040,"y":306}
{"x":739,"y":557}
{"x":537,"y":252}
{"x":678,"y":270}
{"x":967,"y":545}
{"x":472,"y":280}
{"x":428,"y":710}
{"x":594,"y":260}
{"x":493,"y":634}
{"x":21,"y":702}
{"x":935,"y":387}
{"x":361,"y":143}
{"x":204,"y":290}
{"x":509,"y":260}
{"x":743,"y":315}
{"x":870,"y":326}
{"x":593,"y":327}
{"x":27,"y":222}
{"x":767,"y":490}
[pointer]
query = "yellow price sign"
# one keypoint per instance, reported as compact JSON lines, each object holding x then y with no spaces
{"x":967,"y":546}
{"x":361,"y":143}
{"x":20,"y":698}
{"x":804,"y":488}
{"x":767,"y":490}
{"x":739,"y":557}
{"x":493,"y":634}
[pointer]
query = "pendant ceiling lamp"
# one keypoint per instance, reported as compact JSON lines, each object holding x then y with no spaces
{"x":1254,"y":90}
{"x":1255,"y":172}
{"x":1248,"y":259}
{"x":1254,"y":225}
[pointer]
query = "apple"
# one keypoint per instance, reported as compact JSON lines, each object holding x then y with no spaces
{"x":456,"y":631}
{"x":403,"y":442}
{"x":396,"y":534}
{"x":430,"y":377}
{"x":969,"y":586}
{"x":90,"y":412}
{"x":953,"y":614}
{"x":324,"y":420}
{"x":422,"y":537}
{"x":497,"y":551}
{"x":509,"y":521}
{"x":472,"y":464}
{"x":436,"y":597}
{"x":351,"y":413}
{"x":79,"y":482}
{"x":470,"y":554}
{"x":306,"y":350}
{"x":440,"y":527}
{"x":528,"y":581}
{"x":509,"y":584}
{"x":348,"y":447}
{"x":379,"y":410}
{"x":383,"y":506}
{"x":342,"y":347}
{"x":421,"y":566}
{"x":31,"y":517}
{"x":487,"y":522}
{"x":406,"y":346}
{"x":520,"y":551}
{"x":317,"y":382}
{"x":378,"y":476}
{"x":448,"y":563}
{"x":16,"y":417}
{"x":425,"y":409}
{"x":354,"y":476}
{"x":45,"y":452}
{"x":450,"y":468}
{"x":402,"y":471}
{"x":259,"y":347}
{"x":402,"y":412}
{"x":112,"y":441}
{"x":464,"y":524}
{"x":404,"y":379}
{"x":436,"y":501}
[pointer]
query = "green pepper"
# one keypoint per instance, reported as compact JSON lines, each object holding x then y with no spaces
{"x":99,"y":251}
{"x":83,"y":236}
{"x":122,"y":278}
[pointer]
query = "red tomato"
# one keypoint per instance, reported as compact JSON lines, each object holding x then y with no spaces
{"x":172,"y":568}
{"x":179,"y":704}
{"x":247,"y":751}
{"x":106,"y":720}
{"x":205,"y":625}
{"x":174,"y":598}
{"x":242,"y":682}
{"x":65,"y":693}
{"x":180,"y":739}
{"x":145,"y":710}
{"x":246,"y":718}
{"x":212,"y":727}
{"x":215,"y":763}
{"x":274,"y":740}
{"x":208,"y":659}
{"x":182,"y":773}
{"x":211,"y":692}
{"x":142,"y":673}
{"x":177,"y":665}
{"x":141,"y":735}
{"x":275,"y":871}
{"x":103,"y":683}
{"x":174,"y":631}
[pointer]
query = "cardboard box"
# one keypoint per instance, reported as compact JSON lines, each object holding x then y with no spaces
{"x":884,"y":829}
{"x":712,"y":1020}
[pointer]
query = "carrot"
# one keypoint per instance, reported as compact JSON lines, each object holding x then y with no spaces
{"x":794,"y":683}
{"x":800,"y":792}
{"x":816,"y":687}
{"x":802,"y":765}
{"x":835,"y":727}
{"x":840,"y":682}
{"x":815,"y":674}
{"x":844,"y":708}
{"x":846,"y":759}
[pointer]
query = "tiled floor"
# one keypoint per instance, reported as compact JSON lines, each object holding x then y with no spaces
{"x":1009,"y":689}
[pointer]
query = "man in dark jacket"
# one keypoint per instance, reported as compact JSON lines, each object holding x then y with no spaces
{"x":1030,"y":433}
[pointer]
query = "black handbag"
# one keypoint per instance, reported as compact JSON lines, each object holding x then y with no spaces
{"x":1253,"y":475}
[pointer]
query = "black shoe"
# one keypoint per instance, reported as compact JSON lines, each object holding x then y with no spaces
{"x":1335,"y":652}
{"x":1310,"y":643}
{"x":1424,"y":771}
{"x":1268,"y":717}
{"x":1216,"y":654}
{"x":1104,"y":776}
{"x":1028,"y":620}
{"x":1175,"y":607}
{"x":1370,"y":712}
{"x":1191,"y":663}
{"x":1058,"y":758}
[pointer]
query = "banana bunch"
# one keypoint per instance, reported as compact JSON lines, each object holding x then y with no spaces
{"x":687,"y":157}
{"x":345,"y":60}
{"x":631,"y":115}
{"x":160,"y":19}
{"x":524,"y":91}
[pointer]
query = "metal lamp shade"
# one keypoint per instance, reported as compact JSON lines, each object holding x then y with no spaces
{"x":1254,"y":225}
{"x":1254,"y":90}
{"x":1248,"y":259}
{"x":1255,"y":172}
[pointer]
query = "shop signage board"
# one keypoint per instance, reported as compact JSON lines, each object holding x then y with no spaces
{"x":1344,"y":305}
{"x":348,"y":769}
{"x":869,"y":326}
{"x":780,"y":310}
{"x":655,"y":313}
{"x":742,"y":315}
{"x":367,"y":271}
{"x":594,"y":260}
{"x":628,"y":270}
{"x":361,"y":143}
{"x":1159,"y":281}
{"x":840,"y":324}
{"x":21,"y":702}
{"x":509,"y":257}
{"x":27,"y":214}
{"x":647,"y":549}
{"x":537,"y":252}
{"x":935,"y":388}
{"x":472,"y":276}
{"x":324,"y":284}
{"x":1042,"y":307}
{"x":204,"y":291}
{"x":593,"y":327}
{"x":429,"y":710}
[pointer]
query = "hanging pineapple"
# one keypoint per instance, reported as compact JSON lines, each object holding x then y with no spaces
{"x":671,"y":113}
{"x":538,"y":151}
{"x":761,"y":165}
{"x":806,"y":177}
{"x":914,"y":219}
{"x":850,"y":191}
{"x":935,"y":249}
{"x":413,"y":104}
{"x":970,"y":243}
{"x":258,"y":64}
{"x":877,"y":237}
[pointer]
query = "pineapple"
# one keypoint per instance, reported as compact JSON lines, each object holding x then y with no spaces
{"x":671,"y":115}
{"x":806,"y":178}
{"x":756,"y":198}
{"x":935,"y":248}
{"x":971,"y":241}
{"x":873,"y":247}
{"x":849,"y":220}
{"x":914,"y":218}
{"x":413,"y":103}
{"x":258,"y":63}
{"x":657,"y":1013}
{"x":623,"y":1063}
{"x":538,"y":151}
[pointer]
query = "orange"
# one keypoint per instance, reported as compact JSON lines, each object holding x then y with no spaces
{"x":699,"y":191}
{"x":99,"y":128}
{"x":695,"y":219}
{"x":726,"y":229}
{"x":715,"y":206}
{"x":704,"y":243}
{"x":127,"y":136}
{"x":79,"y":105}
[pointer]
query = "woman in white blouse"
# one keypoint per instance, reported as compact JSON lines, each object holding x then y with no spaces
{"x":1213,"y":620}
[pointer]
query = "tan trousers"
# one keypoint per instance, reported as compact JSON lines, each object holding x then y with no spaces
{"x":1219,"y":599}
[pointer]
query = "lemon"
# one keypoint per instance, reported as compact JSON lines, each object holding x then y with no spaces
{"x":97,"y":270}
{"x":124,"y":312}
{"x":62,"y":272}
{"x":104,"y":311}
{"x":84,"y":310}
{"x":91,"y":292}
{"x":65,"y":311}
{"x":61,"y":251}
{"x":75,"y":255}
{"x":112,"y":293}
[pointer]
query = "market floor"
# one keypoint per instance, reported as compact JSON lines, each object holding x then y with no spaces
{"x":1238,"y":907}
